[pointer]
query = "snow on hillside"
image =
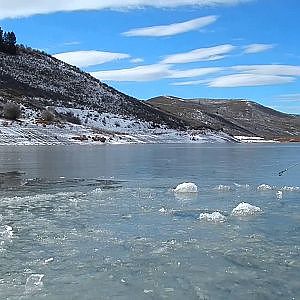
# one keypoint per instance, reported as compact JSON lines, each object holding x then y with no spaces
{"x":96,"y":128}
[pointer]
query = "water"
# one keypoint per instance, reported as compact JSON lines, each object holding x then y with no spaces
{"x":88,"y":222}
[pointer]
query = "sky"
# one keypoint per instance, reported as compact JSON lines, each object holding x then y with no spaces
{"x":245,"y":49}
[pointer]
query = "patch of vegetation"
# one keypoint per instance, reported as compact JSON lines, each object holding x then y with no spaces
{"x":8,"y":42}
{"x":11,"y":111}
{"x":70,"y":117}
{"x":47,"y":116}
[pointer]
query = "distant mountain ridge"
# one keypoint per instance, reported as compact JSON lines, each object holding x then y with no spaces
{"x":235,"y":117}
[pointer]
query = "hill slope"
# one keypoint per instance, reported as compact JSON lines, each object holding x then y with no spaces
{"x":38,"y":80}
{"x":83,"y":108}
{"x":235,"y":117}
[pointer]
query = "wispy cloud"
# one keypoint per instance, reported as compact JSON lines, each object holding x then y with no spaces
{"x":73,"y":43}
{"x":18,"y":8}
{"x":137,"y":60}
{"x":172,"y":29}
{"x":201,"y":54}
{"x":256,"y":48}
{"x":192,"y":82}
{"x":255,"y":75}
{"x":289,"y":97}
{"x":152,"y":73}
{"x":243,"y":80}
{"x":140,"y":73}
{"x":284,"y":70}
{"x":193,"y":72}
{"x":83,"y":59}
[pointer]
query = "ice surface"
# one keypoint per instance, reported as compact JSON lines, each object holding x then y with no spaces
{"x":215,"y":217}
{"x":186,"y":187}
{"x":245,"y":209}
{"x":264,"y":187}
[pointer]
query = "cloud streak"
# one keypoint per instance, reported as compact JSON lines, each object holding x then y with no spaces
{"x":289,"y":97}
{"x":284,"y":70}
{"x":21,"y":8}
{"x":84,"y":59}
{"x":256,"y":48}
{"x":151,"y":73}
{"x":244,"y":80}
{"x":137,"y":74}
{"x":172,"y":29}
{"x":201,"y":54}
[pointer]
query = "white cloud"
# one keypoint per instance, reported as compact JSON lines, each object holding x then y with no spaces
{"x":289,"y":97}
{"x":140,"y":73}
{"x":22,"y":8}
{"x":172,"y":29}
{"x":192,"y":82}
{"x":201,"y":54}
{"x":73,"y":43}
{"x":151,"y":73}
{"x":83,"y":59}
{"x":137,"y":60}
{"x":256,"y":48}
{"x":284,"y":70}
{"x":193,"y":72}
{"x":243,"y":80}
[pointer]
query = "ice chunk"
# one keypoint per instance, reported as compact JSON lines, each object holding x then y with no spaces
{"x":279,"y":194}
{"x":264,"y":187}
{"x":290,"y":188}
{"x":162,"y":210}
{"x":48,"y":260}
{"x":223,"y":188}
{"x":242,"y":186}
{"x":34,"y":283}
{"x":186,"y":187}
{"x":245,"y":209}
{"x":6,"y":232}
{"x":96,"y":191}
{"x":215,"y":217}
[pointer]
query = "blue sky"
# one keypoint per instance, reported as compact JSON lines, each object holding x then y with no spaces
{"x":245,"y":49}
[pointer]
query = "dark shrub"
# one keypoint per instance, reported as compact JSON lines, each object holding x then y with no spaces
{"x":70,"y":117}
{"x":11,"y":111}
{"x":47,"y":116}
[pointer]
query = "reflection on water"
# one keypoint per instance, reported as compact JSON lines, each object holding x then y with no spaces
{"x":111,"y":227}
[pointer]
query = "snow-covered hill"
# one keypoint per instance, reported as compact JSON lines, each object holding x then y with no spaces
{"x":84,"y":109}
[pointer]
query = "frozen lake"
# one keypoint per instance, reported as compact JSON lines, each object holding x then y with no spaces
{"x":103,"y":222}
